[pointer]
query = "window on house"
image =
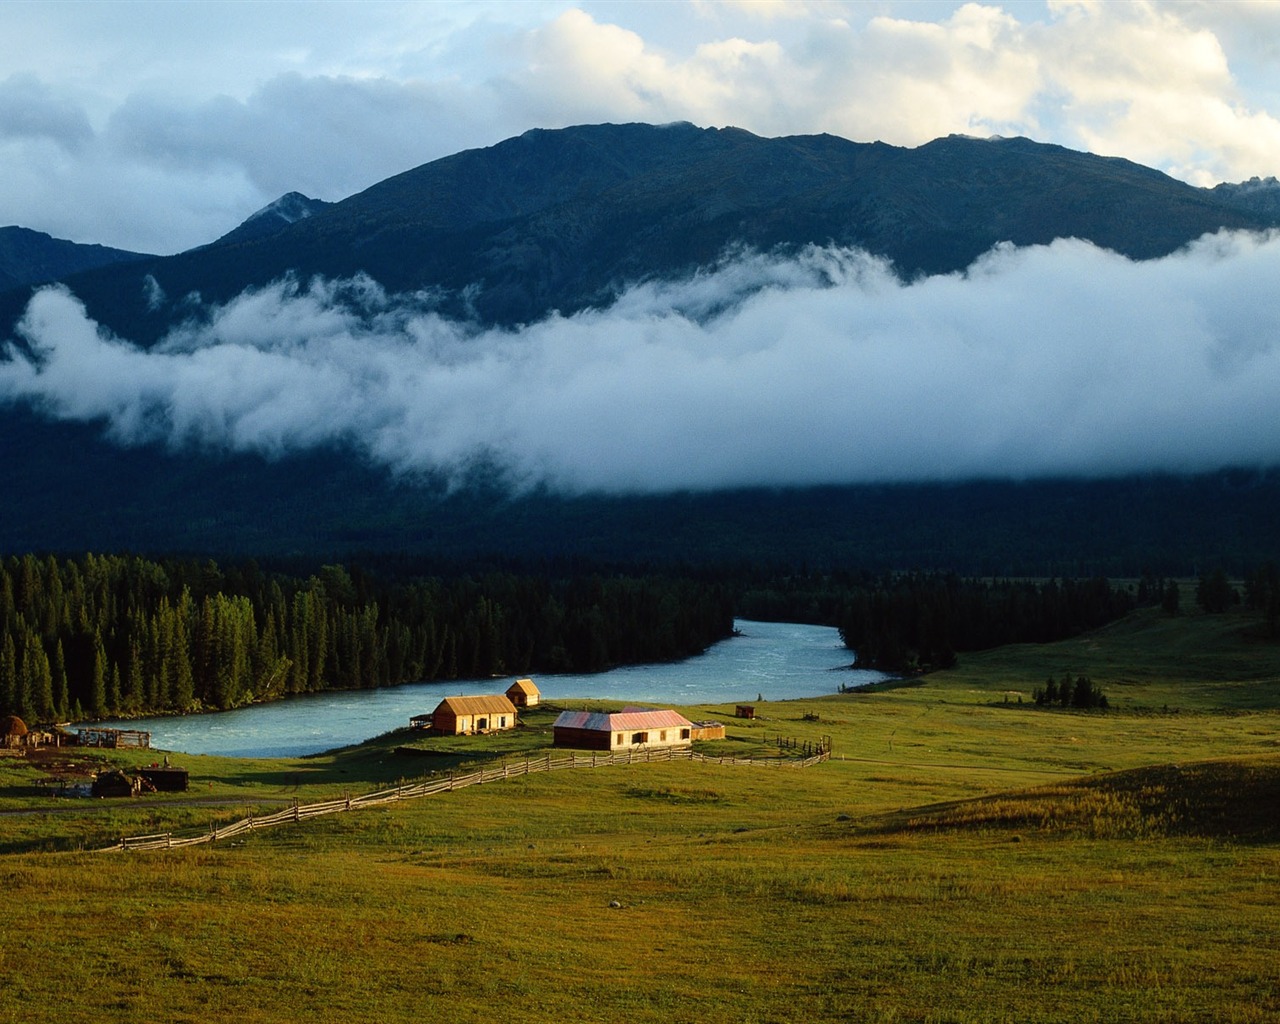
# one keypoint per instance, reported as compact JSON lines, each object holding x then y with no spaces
{"x":619,"y":739}
{"x":639,"y":737}
{"x":684,"y":734}
{"x":482,"y":723}
{"x":662,"y":735}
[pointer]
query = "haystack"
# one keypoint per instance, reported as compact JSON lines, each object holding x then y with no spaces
{"x":13,"y":731}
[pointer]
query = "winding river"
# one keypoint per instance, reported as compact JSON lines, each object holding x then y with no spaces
{"x":769,"y":660}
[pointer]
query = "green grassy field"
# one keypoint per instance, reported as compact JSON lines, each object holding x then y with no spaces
{"x":963,"y":857}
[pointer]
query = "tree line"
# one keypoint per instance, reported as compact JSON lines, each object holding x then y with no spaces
{"x":108,"y":635}
{"x":916,"y":621}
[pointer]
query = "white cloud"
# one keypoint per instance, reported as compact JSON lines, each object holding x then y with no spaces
{"x":822,"y":369}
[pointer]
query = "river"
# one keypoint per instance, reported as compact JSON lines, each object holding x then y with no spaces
{"x":769,"y":660}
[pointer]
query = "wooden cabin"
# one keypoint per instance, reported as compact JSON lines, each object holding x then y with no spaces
{"x":629,"y":729}
{"x":523,"y":693}
{"x":462,"y":716}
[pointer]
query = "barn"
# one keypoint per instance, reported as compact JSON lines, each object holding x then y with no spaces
{"x":523,"y":693}
{"x":462,"y":716}
{"x":628,"y":729}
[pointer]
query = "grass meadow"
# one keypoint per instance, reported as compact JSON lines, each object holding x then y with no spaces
{"x":963,"y":857}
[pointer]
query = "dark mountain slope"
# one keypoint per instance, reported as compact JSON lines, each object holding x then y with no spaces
{"x":559,"y":220}
{"x":84,"y":493}
{"x":31,"y":257}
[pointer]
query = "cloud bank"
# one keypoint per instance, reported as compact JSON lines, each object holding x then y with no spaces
{"x":1057,"y":360}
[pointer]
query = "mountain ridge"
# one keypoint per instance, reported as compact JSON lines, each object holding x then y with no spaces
{"x":560,"y":220}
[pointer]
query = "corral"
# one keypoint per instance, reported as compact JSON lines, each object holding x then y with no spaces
{"x":113,"y":738}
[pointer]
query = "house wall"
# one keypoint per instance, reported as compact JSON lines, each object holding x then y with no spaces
{"x":582,"y":739}
{"x":464,"y":725}
{"x":592,"y":739}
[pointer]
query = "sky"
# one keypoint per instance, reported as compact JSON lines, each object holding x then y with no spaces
{"x":156,"y":126}
{"x":160,"y":126}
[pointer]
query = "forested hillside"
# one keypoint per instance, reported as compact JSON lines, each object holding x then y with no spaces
{"x":109,"y":635}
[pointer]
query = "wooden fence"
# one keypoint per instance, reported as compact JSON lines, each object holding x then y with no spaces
{"x":300,"y":812}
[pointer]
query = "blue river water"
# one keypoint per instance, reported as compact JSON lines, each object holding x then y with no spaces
{"x":768,"y":660}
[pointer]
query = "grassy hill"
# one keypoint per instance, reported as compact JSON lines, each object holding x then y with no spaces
{"x":961,"y":858}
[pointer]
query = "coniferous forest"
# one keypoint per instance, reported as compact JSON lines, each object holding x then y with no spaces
{"x":111,"y":635}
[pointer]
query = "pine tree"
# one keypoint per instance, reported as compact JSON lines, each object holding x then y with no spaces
{"x":61,"y":698}
{"x":98,"y":682}
{"x":8,"y":675}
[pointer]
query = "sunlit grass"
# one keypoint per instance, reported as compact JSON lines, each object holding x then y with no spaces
{"x":960,"y":859}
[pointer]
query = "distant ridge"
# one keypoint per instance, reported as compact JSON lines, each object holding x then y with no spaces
{"x":562,"y":219}
{"x":32,"y":257}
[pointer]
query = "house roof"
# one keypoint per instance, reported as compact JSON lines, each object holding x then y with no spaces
{"x":524,"y":686}
{"x":488,"y":704}
{"x":621,"y":721}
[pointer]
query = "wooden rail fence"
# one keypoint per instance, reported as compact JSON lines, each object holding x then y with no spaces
{"x":529,"y":766}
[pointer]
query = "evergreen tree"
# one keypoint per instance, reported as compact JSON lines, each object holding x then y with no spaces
{"x":9,"y":675}
{"x":98,"y":682}
{"x":61,"y":698}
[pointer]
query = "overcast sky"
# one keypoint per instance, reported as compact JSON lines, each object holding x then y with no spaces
{"x":158,"y":126}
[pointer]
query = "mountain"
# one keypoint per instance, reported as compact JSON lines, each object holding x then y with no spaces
{"x":288,"y":209}
{"x":31,"y":257}
{"x":561,"y":220}
{"x":1261,"y":195}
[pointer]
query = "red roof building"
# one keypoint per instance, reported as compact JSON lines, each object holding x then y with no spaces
{"x":628,"y":729}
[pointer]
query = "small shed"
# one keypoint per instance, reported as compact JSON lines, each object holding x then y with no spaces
{"x":523,"y":693}
{"x":628,"y":729}
{"x":166,"y":779}
{"x":115,"y":783}
{"x":462,"y":716}
{"x":745,"y":711}
{"x":708,"y":731}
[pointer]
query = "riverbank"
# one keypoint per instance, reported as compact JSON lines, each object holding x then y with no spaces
{"x":764,"y":660}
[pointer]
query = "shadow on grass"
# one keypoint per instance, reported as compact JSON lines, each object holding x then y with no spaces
{"x":885,"y":685}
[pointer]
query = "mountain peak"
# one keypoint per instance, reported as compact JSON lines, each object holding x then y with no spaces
{"x":281,"y":213}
